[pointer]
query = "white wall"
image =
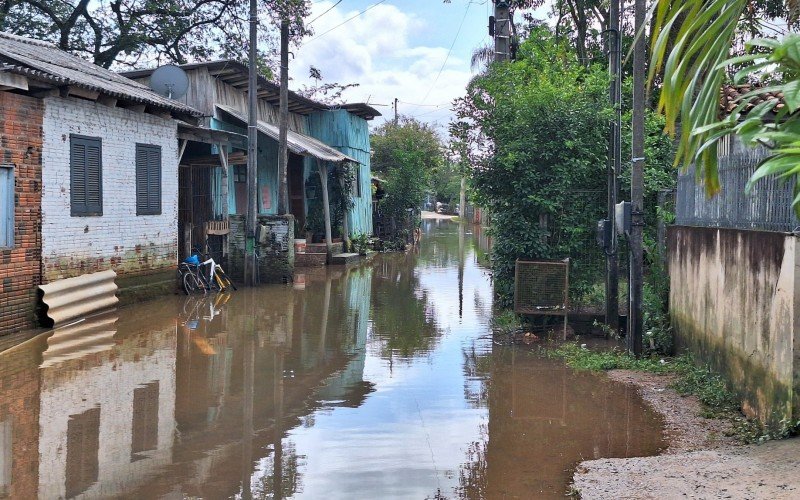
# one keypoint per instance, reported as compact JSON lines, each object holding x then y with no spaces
{"x":118,"y":239}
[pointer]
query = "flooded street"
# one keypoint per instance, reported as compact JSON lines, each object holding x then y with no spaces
{"x":379,"y":381}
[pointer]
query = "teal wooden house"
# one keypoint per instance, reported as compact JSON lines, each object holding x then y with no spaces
{"x":321,"y":138}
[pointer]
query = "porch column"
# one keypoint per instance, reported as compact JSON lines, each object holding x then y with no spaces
{"x":326,"y":208}
{"x":223,"y":157}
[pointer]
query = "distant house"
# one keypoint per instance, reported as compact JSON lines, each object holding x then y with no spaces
{"x":320,"y":136}
{"x":88,"y":175}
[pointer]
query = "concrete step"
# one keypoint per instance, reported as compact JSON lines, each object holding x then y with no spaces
{"x":340,"y":259}
{"x":309,"y":259}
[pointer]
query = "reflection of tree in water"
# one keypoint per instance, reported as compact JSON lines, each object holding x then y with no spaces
{"x":401,"y":316}
{"x":476,"y":377}
{"x":442,"y":248}
{"x":287,"y":474}
{"x":472,"y":474}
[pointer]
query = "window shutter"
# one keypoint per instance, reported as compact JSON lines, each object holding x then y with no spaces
{"x":148,"y":179}
{"x":77,"y":176}
{"x":94,"y":179}
{"x":154,"y":180}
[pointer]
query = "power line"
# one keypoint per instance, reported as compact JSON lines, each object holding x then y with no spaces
{"x":330,"y":9}
{"x":466,"y":11}
{"x":344,"y":22}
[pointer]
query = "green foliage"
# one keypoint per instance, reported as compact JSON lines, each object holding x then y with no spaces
{"x":339,"y":181}
{"x":136,"y":31}
{"x":360,"y":243}
{"x":545,"y":118}
{"x":405,"y":155}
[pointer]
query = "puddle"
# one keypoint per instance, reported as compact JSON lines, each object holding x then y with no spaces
{"x":375,"y":382}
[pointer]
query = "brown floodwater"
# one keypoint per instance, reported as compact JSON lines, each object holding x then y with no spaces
{"x":379,"y":381}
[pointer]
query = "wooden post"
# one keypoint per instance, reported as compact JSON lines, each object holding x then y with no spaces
{"x":323,"y":177}
{"x":223,"y":157}
{"x":345,"y":224}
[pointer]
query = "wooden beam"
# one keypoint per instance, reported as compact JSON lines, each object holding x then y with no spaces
{"x":13,"y":81}
{"x":107,"y":100}
{"x":43,"y":94}
{"x":137,"y":108}
{"x":322,"y":170}
{"x":181,"y":148}
{"x":76,"y":91}
{"x":162,"y":114}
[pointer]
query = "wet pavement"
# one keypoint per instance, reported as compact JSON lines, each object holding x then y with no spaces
{"x":379,"y":381}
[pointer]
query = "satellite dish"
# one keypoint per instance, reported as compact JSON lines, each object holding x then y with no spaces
{"x":169,"y":81}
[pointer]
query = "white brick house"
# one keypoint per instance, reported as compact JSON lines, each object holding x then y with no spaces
{"x":119,"y":238}
{"x":109,"y":167}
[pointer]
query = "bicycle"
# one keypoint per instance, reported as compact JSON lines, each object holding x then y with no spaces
{"x":190,"y":278}
{"x":216,"y":279}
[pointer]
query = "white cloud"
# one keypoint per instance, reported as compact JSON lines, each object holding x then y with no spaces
{"x":378,"y":51}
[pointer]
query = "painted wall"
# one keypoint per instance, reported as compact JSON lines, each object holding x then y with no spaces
{"x":119,"y":239}
{"x":21,"y":148}
{"x":734,"y":305}
{"x":349,"y":134}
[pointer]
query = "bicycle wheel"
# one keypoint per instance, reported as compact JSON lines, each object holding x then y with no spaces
{"x":225,"y":280}
{"x":190,"y":284}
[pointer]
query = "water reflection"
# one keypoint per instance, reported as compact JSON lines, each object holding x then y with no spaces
{"x":379,"y":381}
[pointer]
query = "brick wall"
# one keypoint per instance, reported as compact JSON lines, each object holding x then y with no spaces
{"x":21,"y":146}
{"x":119,"y":239}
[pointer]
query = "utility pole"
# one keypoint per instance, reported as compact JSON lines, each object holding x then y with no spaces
{"x":252,"y":149}
{"x":283,"y":156}
{"x":502,"y":31}
{"x":614,"y":162}
{"x":395,"y":111}
{"x":635,"y":322}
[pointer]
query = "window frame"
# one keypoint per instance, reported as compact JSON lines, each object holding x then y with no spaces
{"x":7,"y":240}
{"x":74,"y":209}
{"x":148,"y":210}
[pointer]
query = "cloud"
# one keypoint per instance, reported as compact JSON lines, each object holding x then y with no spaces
{"x":378,"y":50}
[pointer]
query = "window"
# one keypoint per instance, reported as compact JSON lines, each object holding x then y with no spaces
{"x":83,"y":444}
{"x":85,"y":176}
{"x":145,"y":420}
{"x":6,"y":206}
{"x":356,"y":188}
{"x":148,"y":179}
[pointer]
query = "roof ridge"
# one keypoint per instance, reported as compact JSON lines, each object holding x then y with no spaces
{"x":25,"y":39}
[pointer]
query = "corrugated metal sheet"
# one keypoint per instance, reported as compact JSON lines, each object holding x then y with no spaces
{"x":76,"y":297}
{"x":349,"y":134}
{"x":45,"y":61}
{"x":78,"y":340}
{"x":297,"y":143}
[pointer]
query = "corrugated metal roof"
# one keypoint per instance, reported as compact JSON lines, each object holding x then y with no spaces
{"x":297,"y":143}
{"x":72,"y":298}
{"x":44,"y":61}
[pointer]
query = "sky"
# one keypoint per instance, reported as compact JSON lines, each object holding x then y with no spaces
{"x":396,"y":49}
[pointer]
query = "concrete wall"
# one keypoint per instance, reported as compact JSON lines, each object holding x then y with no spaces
{"x":733,"y":305}
{"x":277,"y":262}
{"x":119,"y":239}
{"x":21,"y":147}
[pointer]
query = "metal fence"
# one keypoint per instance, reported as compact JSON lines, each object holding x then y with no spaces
{"x":768,"y":206}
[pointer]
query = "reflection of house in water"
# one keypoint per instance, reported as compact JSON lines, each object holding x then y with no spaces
{"x":107,"y":404}
{"x":19,"y":420}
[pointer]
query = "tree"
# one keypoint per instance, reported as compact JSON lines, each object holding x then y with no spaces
{"x":405,"y":154}
{"x":133,"y":31}
{"x":692,"y":42}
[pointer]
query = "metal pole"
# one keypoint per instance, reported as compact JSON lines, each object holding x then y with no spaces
{"x":635,"y":326}
{"x":502,"y":31}
{"x":614,"y":157}
{"x":283,"y":156}
{"x":395,"y":111}
{"x":252,"y":148}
